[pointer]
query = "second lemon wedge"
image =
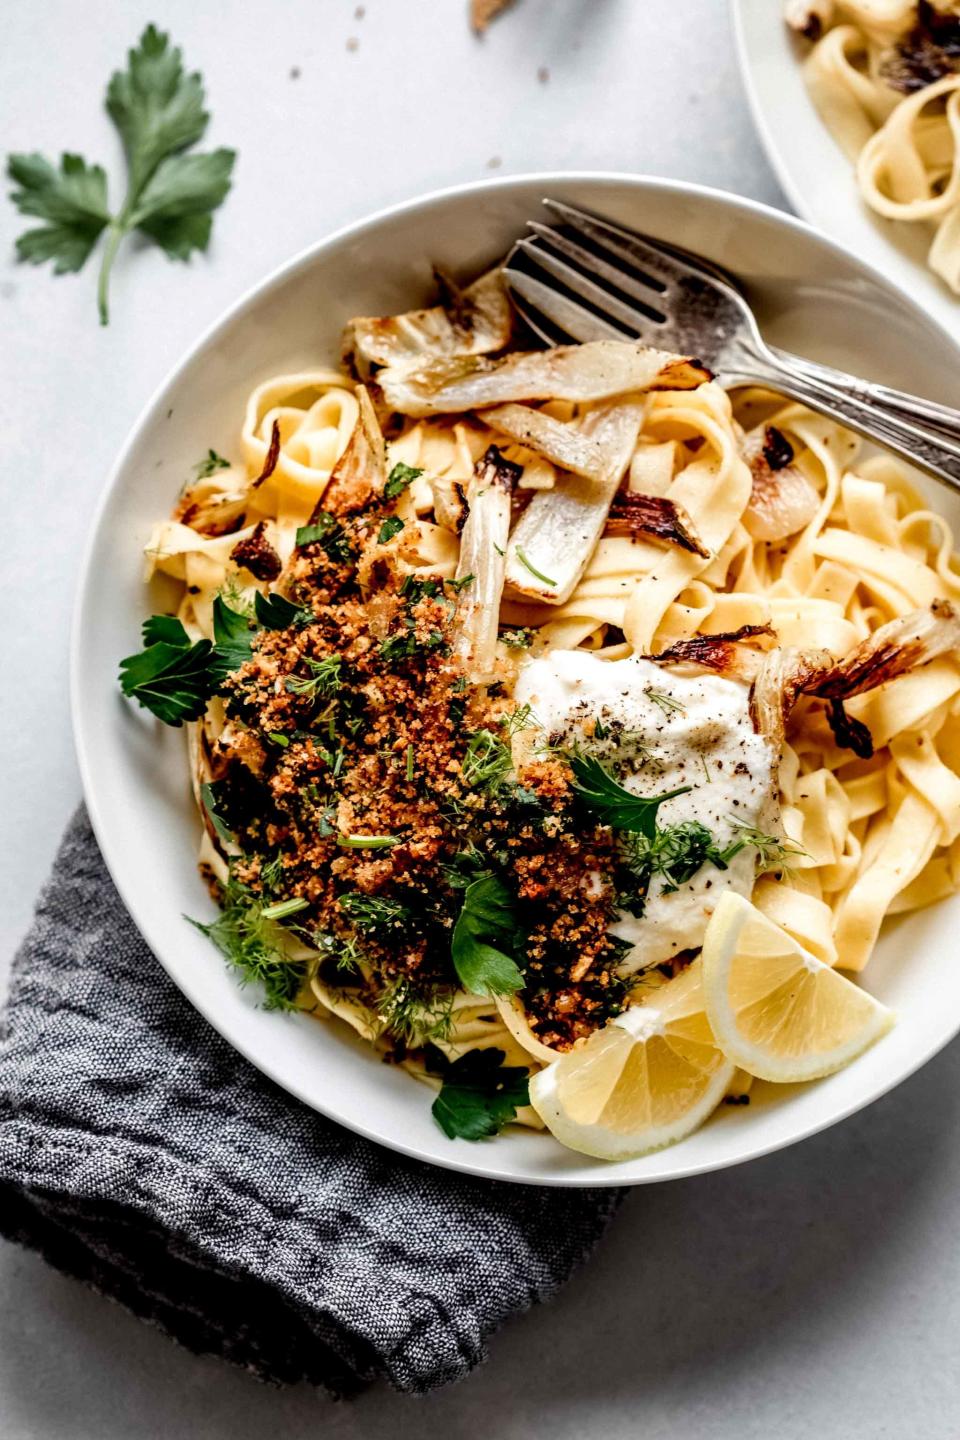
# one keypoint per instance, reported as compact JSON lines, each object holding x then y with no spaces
{"x":775,"y":1009}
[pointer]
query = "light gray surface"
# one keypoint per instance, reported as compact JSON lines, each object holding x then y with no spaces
{"x":812,"y":1293}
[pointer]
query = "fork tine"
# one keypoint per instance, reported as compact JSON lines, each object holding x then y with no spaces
{"x":590,"y":262}
{"x":661,"y":264}
{"x":634,"y":322}
{"x":564,"y":314}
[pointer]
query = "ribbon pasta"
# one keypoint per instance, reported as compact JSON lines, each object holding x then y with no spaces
{"x":904,"y":145}
{"x":875,"y":836}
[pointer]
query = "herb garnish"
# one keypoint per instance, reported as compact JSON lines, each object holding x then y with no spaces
{"x":532,"y":568}
{"x":414,"y":1015}
{"x":233,"y":633}
{"x":487,"y":923}
{"x":479,"y":1094}
{"x":367,"y":842}
{"x":333,"y":539}
{"x":171,"y":196}
{"x":612,"y":803}
{"x":520,"y":639}
{"x":372,"y":914}
{"x":390,"y":527}
{"x":399,"y":478}
{"x":244,"y":933}
{"x":486,"y":761}
{"x":277,"y":613}
{"x":666,"y":703}
{"x":170,"y":676}
{"x":208,"y":798}
{"x":210,"y":463}
{"x":324,"y":678}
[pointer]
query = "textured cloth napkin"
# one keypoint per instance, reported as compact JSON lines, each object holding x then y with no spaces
{"x":141,"y":1154}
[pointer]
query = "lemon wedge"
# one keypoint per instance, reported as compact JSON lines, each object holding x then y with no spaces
{"x":775,"y":1009}
{"x":649,"y":1078}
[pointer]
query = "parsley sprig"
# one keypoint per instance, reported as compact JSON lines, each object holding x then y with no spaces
{"x":171,"y":195}
{"x":479,"y":1094}
{"x":612,"y":803}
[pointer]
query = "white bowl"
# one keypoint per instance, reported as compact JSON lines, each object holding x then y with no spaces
{"x":809,"y":294}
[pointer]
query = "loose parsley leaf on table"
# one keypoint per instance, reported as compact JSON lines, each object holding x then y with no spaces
{"x":612,"y":803}
{"x":486,"y":930}
{"x":479,"y":1094}
{"x":171,"y":196}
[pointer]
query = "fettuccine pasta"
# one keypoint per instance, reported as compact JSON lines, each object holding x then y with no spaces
{"x":883,"y":75}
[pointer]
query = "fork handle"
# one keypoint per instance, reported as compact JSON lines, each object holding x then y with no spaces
{"x":930,"y":445}
{"x":929,"y":413}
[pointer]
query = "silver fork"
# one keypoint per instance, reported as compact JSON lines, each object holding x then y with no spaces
{"x":585,"y":278}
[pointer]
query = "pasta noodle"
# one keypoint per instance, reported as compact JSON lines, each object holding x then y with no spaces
{"x":882,"y":77}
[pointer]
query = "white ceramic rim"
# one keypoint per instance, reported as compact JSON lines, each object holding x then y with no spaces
{"x":463,"y":1162}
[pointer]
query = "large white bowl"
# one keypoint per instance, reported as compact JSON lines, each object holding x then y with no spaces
{"x":809,"y":294}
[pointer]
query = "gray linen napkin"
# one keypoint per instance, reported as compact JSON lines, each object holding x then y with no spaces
{"x":141,"y":1154}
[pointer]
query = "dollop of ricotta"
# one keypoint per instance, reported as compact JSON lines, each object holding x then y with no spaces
{"x":656,"y":729}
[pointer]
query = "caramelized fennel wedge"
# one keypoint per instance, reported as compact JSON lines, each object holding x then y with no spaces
{"x":598,"y":370}
{"x":474,"y":321}
{"x":654,"y":517}
{"x":900,"y":645}
{"x":481,"y":566}
{"x":782,"y":500}
{"x":557,"y":533}
{"x":361,"y":471}
{"x":568,"y":445}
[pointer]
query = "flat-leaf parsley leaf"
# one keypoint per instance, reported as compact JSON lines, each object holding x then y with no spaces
{"x":485,"y":931}
{"x":171,"y":196}
{"x":612,"y":803}
{"x":479,"y":1094}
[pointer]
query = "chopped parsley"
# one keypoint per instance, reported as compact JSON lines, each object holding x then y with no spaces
{"x":367,"y":842}
{"x":400,"y":477}
{"x":478,"y":1094}
{"x":158,"y":109}
{"x":390,"y":527}
{"x":520,"y":639}
{"x":333,"y":540}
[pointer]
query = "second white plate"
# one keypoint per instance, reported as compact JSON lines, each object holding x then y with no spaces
{"x":814,"y":172}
